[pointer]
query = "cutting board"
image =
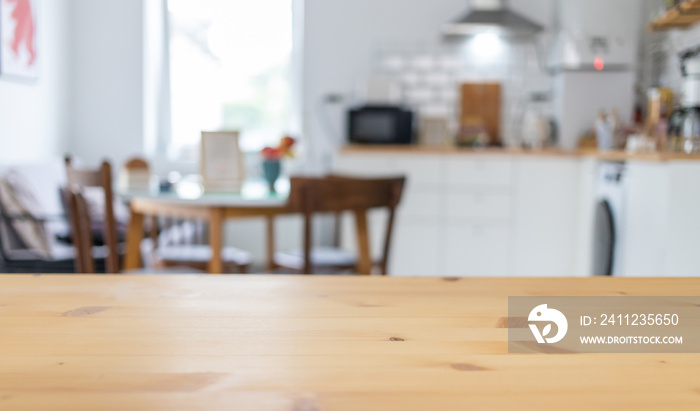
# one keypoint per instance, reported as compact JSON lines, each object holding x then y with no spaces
{"x":482,"y":101}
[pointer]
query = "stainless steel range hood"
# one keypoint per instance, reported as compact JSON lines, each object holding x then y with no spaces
{"x":495,"y":18}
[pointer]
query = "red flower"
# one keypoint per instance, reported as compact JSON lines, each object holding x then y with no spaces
{"x":272,"y":154}
{"x":283,"y":150}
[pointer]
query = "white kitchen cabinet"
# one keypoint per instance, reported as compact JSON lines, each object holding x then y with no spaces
{"x":422,"y":196}
{"x":662,"y":219}
{"x":546,"y":214}
{"x":583,"y":263}
{"x":421,"y":171}
{"x":416,"y":249}
{"x":479,"y":171}
{"x":644,"y":227}
{"x":478,"y":204}
{"x":421,"y":202}
{"x":476,"y":214}
{"x":476,"y":219}
{"x":366,"y":165}
{"x":476,"y":250}
{"x":682,"y":251}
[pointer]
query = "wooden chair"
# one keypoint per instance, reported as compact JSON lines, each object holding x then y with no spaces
{"x":81,"y":224}
{"x":337,"y":194}
{"x":167,"y":248}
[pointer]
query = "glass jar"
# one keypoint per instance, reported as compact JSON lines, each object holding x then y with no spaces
{"x":675,"y":131}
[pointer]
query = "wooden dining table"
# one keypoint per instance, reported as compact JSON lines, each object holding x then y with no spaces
{"x":254,"y":200}
{"x":299,"y":343}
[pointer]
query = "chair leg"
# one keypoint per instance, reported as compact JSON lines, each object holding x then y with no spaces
{"x":270,"y":245}
{"x":364,"y":259}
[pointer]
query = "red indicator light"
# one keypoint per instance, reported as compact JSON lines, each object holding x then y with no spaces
{"x":599,"y":63}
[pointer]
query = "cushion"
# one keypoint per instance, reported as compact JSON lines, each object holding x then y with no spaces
{"x":17,"y":200}
{"x":59,"y":252}
{"x":320,"y":257}
{"x":44,"y":178}
{"x":183,"y":232}
{"x":95,"y":199}
{"x":200,"y":253}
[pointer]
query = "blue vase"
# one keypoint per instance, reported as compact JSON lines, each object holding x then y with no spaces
{"x":272,"y":170}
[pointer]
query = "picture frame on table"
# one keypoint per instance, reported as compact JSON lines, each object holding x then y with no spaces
{"x":20,"y":48}
{"x":222,"y":163}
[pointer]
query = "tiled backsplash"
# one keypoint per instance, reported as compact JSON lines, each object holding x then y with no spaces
{"x":430,"y":78}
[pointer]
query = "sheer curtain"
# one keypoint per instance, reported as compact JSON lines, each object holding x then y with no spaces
{"x":157,"y":101}
{"x":219,"y":65}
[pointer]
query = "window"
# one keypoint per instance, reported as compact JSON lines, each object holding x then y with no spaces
{"x":230,"y":69}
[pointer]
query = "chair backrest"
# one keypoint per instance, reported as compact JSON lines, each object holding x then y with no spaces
{"x":341,"y":193}
{"x":81,"y":224}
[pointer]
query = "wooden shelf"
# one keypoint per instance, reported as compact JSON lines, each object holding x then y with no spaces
{"x":682,"y":16}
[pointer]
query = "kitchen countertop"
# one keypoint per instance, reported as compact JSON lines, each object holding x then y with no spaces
{"x":312,"y":343}
{"x":614,"y":155}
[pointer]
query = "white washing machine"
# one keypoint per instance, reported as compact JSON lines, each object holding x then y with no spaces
{"x":608,"y":237}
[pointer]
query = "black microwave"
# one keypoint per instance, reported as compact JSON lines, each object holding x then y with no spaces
{"x":380,"y":125}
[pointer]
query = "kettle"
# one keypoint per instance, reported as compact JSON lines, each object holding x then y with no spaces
{"x":675,"y":130}
{"x":690,"y":132}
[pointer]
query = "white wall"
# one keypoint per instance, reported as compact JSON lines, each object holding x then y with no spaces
{"x":88,"y":100}
{"x":34,"y":115}
{"x":107,"y":79}
{"x":580,"y":96}
{"x":602,"y":16}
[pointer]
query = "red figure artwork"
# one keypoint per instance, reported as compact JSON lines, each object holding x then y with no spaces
{"x":24,"y":29}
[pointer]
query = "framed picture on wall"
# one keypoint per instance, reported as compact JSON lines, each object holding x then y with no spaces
{"x":222,"y":162}
{"x":19,"y":40}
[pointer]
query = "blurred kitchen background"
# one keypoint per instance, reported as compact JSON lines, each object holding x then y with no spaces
{"x":539,"y":137}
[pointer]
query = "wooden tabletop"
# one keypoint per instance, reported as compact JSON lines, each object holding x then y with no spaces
{"x":254,"y":193}
{"x":311,"y":343}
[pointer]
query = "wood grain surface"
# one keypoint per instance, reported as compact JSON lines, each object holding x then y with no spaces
{"x":311,"y":343}
{"x":482,"y":101}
